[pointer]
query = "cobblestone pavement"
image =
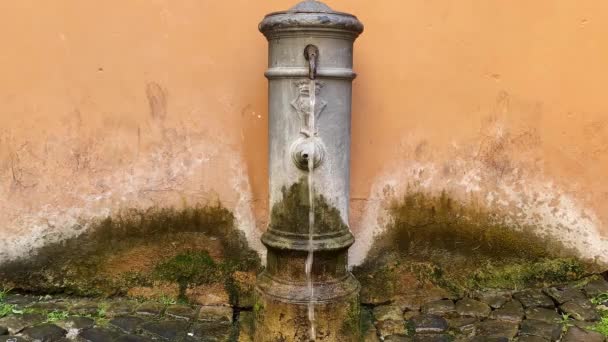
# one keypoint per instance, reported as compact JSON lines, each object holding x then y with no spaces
{"x":565,"y":313}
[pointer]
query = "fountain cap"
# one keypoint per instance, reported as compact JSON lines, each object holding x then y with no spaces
{"x":310,"y":14}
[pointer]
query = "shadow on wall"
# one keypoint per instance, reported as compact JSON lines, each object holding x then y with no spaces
{"x":153,"y":253}
{"x":436,"y":241}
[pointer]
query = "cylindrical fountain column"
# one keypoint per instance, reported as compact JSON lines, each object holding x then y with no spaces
{"x":306,"y":292}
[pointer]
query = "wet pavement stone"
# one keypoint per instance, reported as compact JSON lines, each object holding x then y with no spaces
{"x":488,"y":339}
{"x":575,"y":334}
{"x":596,"y":287}
{"x":3,"y":330}
{"x":439,"y":307}
{"x":132,"y":338}
{"x":463,"y":325}
{"x":169,"y":330}
{"x":150,"y":309}
{"x":543,"y":314}
{"x":15,"y":324}
{"x":209,"y":332}
{"x":128,"y":324}
{"x":473,"y":308}
{"x":184,"y":312}
{"x":581,"y":310}
{"x":512,"y":311}
{"x":496,"y":329}
{"x":564,"y":294}
{"x":527,"y":338}
{"x":98,"y":335}
{"x":493,"y":298}
{"x":423,"y":324}
{"x":549,"y":331}
{"x":120,"y":308}
{"x":11,"y":338}
{"x":391,"y":327}
{"x":398,"y":338}
{"x":534,"y":298}
{"x":46,"y":332}
{"x":85,"y":308}
{"x":432,"y":338}
{"x":215,"y":314}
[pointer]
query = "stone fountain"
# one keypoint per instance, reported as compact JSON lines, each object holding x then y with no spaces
{"x":306,"y":292}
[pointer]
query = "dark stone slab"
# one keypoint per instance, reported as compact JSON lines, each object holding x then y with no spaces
{"x":150,"y":309}
{"x":488,"y":339}
{"x":439,"y":307}
{"x":77,"y":322}
{"x":576,"y":334}
{"x":512,"y":311}
{"x":424,"y":324}
{"x":3,"y":330}
{"x":12,"y":338}
{"x":563,"y":294}
{"x":170,"y":330}
{"x":528,"y":338}
{"x":397,"y":338}
{"x":128,"y":324}
{"x":534,"y":298}
{"x":209,"y":332}
{"x":120,"y":308}
{"x":16,"y":323}
{"x":132,"y":338}
{"x":545,"y":330}
{"x":542,"y":314}
{"x":493,"y":298}
{"x":496,"y":329}
{"x":20,"y":300}
{"x":581,"y":310}
{"x":98,"y":335}
{"x":181,"y":312}
{"x":473,"y":308}
{"x":85,"y":307}
{"x":596,"y":287}
{"x":463,"y":325}
{"x":210,"y":313}
{"x":432,"y":338}
{"x":49,"y":306}
{"x":46,"y":332}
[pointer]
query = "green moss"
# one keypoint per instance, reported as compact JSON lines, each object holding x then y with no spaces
{"x":461,"y":247}
{"x":75,"y":265}
{"x":191,"y":268}
{"x":602,"y":326}
{"x":293,"y":211}
{"x":56,"y":315}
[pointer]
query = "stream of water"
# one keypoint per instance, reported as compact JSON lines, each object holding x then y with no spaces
{"x":311,"y":213}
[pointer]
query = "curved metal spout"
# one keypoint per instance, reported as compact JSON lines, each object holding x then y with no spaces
{"x":311,"y":53}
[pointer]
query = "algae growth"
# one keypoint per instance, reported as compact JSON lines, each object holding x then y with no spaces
{"x":461,"y":247}
{"x":139,"y":249}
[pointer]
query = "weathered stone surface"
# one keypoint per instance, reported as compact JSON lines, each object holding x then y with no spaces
{"x":415,"y":298}
{"x":76,"y":322}
{"x":432,"y":338}
{"x":20,"y":300}
{"x":246,"y":326}
{"x":215,"y":314}
{"x":473,"y":308}
{"x":3,"y":330}
{"x":580,"y":310}
{"x":528,"y":338}
{"x":576,"y":334}
{"x":128,"y":324}
{"x":424,"y":324}
{"x":534,"y":298}
{"x":387,"y":312}
{"x":49,"y":306}
{"x":120,"y":308}
{"x":46,"y":332}
{"x":12,"y":338}
{"x":150,"y":309}
{"x":563,"y":294}
{"x":493,"y":298}
{"x":181,"y":312}
{"x":391,"y":327}
{"x":496,"y":329}
{"x":463,"y":325}
{"x":98,"y":335}
{"x":132,"y":338}
{"x":543,"y":314}
{"x":439,"y":307}
{"x":488,"y":339}
{"x":596,"y":287}
{"x":512,"y":311}
{"x":15,"y":324}
{"x":86,"y":307}
{"x":545,"y":330}
{"x":170,"y":330}
{"x":214,"y":294}
{"x":398,"y":338}
{"x":216,"y":332}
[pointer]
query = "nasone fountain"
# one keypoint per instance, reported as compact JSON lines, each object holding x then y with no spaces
{"x":306,"y":292}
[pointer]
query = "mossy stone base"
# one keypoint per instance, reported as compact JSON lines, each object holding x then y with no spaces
{"x":280,"y":319}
